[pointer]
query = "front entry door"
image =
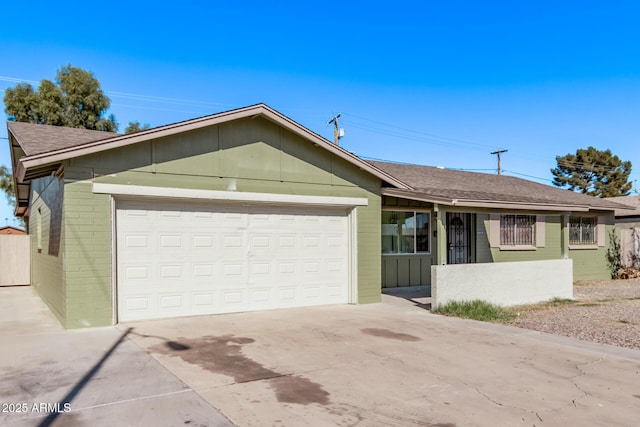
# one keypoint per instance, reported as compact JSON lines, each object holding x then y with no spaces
{"x":458,"y":238}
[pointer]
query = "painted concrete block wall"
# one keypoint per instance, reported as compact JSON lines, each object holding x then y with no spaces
{"x":248,"y":155}
{"x":87,"y":257}
{"x":504,"y":283}
{"x":15,"y":267}
{"x":47,"y":242}
{"x":369,"y":251}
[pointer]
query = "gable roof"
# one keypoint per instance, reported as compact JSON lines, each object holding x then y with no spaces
{"x":39,"y":139}
{"x":632,"y":201}
{"x":39,"y":150}
{"x":44,"y":150}
{"x":11,"y":230}
{"x":473,"y":189}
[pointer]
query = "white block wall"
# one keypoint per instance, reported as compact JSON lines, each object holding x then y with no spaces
{"x":502,"y":283}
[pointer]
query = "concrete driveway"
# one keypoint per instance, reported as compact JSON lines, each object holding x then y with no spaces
{"x":97,"y":377}
{"x":392,"y":364}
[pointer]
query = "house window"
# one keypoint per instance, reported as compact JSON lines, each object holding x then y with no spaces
{"x":517,"y":230}
{"x":582,"y":230}
{"x":405,"y":232}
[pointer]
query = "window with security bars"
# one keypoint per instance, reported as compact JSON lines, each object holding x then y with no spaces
{"x":517,"y":230}
{"x":582,"y":230}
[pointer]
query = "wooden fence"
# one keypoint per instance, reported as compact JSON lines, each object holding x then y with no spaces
{"x":15,"y":267}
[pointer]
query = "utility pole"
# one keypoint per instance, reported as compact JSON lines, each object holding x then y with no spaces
{"x":498,"y":153}
{"x":336,"y":129}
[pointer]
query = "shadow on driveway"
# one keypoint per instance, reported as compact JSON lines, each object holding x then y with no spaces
{"x":420,"y":296}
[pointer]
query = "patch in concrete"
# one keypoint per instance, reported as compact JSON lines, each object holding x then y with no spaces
{"x":386,"y":333}
{"x":223,"y":355}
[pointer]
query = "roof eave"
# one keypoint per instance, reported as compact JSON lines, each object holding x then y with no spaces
{"x":489,"y":204}
{"x":501,"y":204}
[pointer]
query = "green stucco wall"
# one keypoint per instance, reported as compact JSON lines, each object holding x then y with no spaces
{"x":591,"y":264}
{"x":588,"y":264}
{"x":552,"y":245}
{"x":409,"y":270}
{"x":250,"y":155}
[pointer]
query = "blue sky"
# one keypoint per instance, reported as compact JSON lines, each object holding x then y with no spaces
{"x":435,"y":83}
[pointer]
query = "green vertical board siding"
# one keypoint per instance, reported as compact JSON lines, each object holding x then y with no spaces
{"x":251,"y":155}
{"x":47,"y":243}
{"x":408,"y":269}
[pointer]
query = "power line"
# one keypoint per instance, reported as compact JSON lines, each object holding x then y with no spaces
{"x":380,"y":127}
{"x":530,"y":176}
{"x":417,"y":132}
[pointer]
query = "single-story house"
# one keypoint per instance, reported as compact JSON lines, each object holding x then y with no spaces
{"x":487,"y":218}
{"x":248,"y":210}
{"x":628,"y":226}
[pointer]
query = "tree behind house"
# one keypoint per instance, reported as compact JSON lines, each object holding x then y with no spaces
{"x":74,"y":100}
{"x":593,"y":172}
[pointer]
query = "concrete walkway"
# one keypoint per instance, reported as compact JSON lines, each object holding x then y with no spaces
{"x":392,"y":364}
{"x":103,"y":378}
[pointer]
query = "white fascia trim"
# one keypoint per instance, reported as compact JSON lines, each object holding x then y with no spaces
{"x":227,"y":196}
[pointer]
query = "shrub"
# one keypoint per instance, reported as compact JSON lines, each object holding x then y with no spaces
{"x":613,"y":255}
{"x":476,"y":310}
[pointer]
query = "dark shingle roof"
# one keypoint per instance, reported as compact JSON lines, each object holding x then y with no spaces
{"x":474,"y":186}
{"x":37,"y":139}
{"x":633,"y":201}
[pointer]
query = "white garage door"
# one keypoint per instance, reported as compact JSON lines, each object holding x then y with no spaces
{"x":179,"y":259}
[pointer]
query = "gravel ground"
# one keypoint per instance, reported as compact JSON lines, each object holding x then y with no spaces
{"x":606,"y":312}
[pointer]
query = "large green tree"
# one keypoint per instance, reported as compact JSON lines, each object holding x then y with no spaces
{"x":134,"y":127}
{"x":593,"y":172}
{"x":75,"y":99}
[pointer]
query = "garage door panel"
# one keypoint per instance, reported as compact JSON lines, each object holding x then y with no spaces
{"x":169,"y":272}
{"x":202,"y":272}
{"x":203,"y":301}
{"x":204,"y":242}
{"x":178,"y":259}
{"x":171,"y":302}
{"x":138,"y":304}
